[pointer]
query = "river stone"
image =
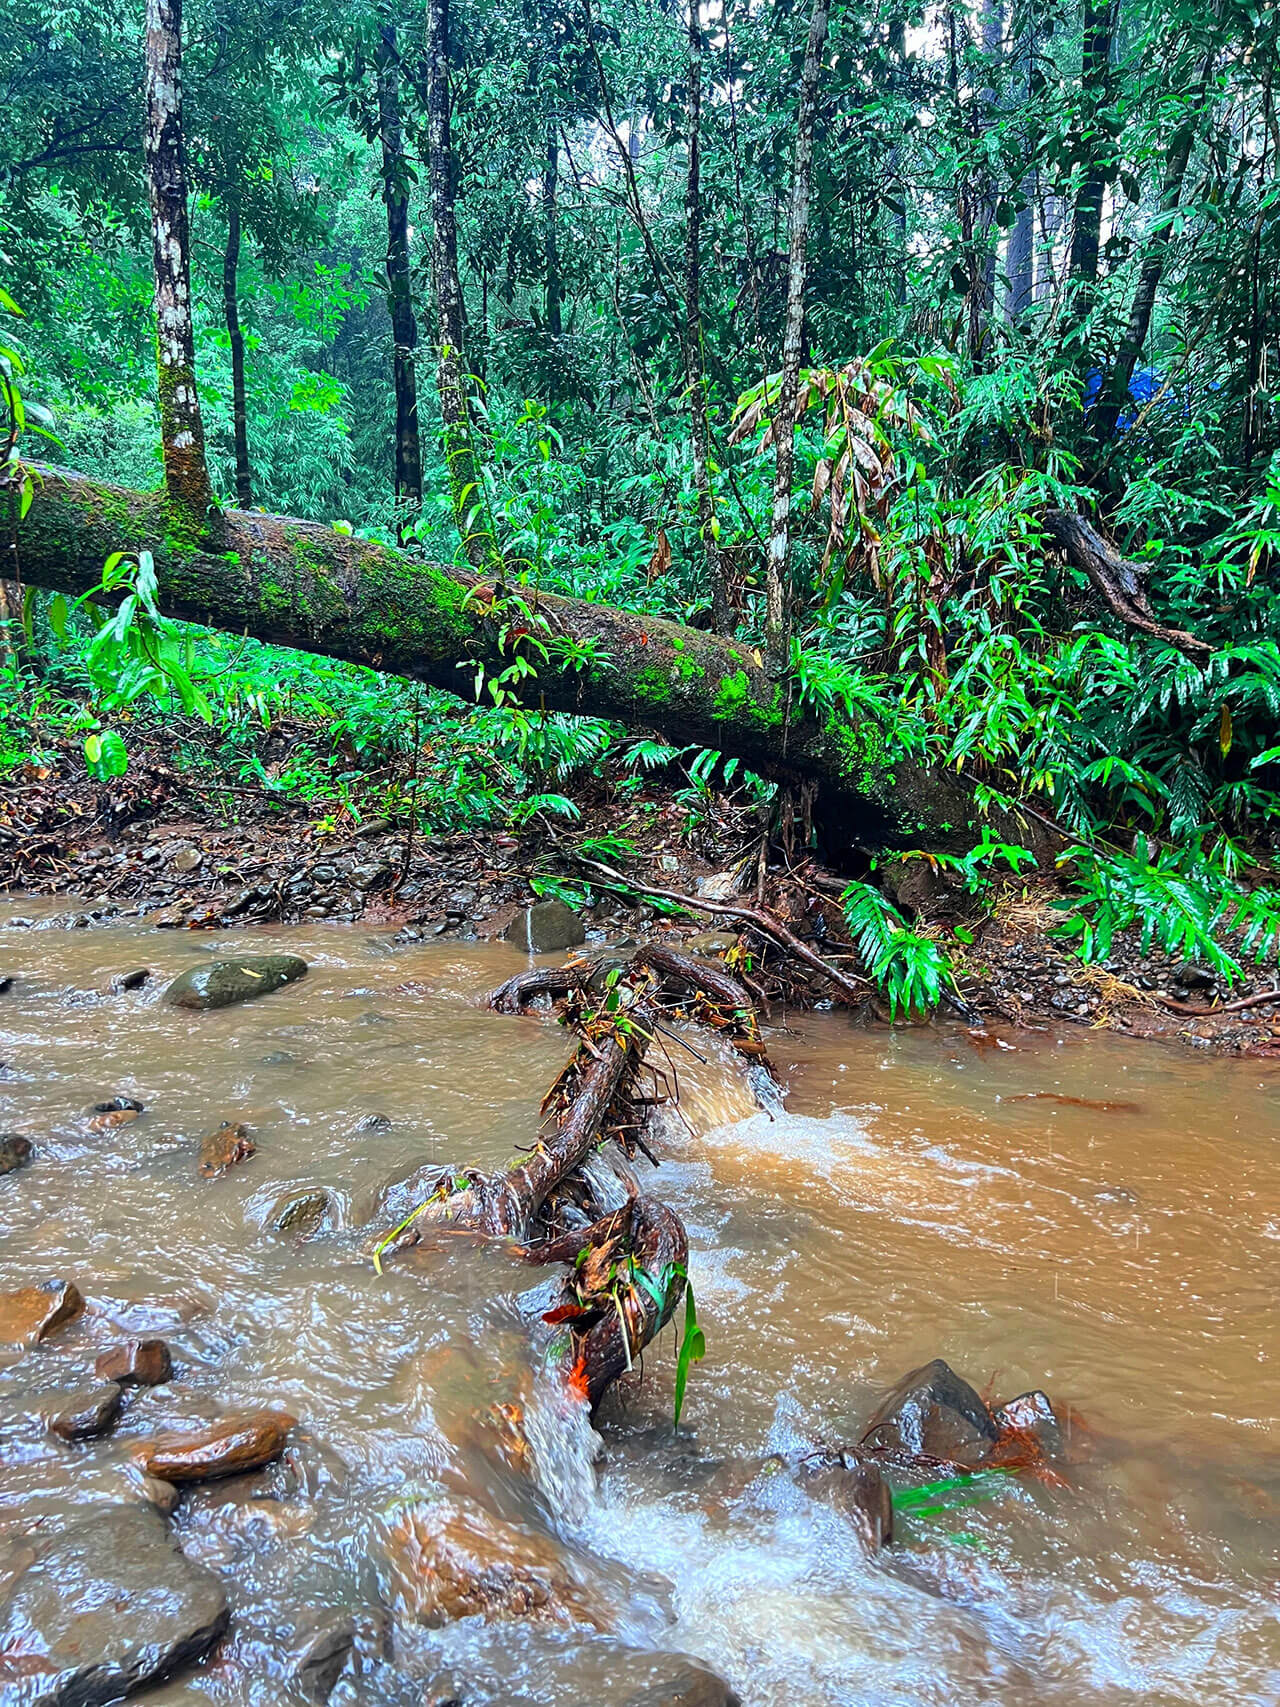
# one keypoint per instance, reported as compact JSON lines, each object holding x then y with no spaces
{"x":223,"y":1148}
{"x":132,"y":980}
{"x":302,"y":1213}
{"x":545,"y":928}
{"x":933,"y":1413}
{"x":318,"y":1651}
{"x":447,"y":1561}
{"x":136,"y":1363}
{"x":83,"y":1414}
{"x":33,"y":1312}
{"x":223,"y":982}
{"x":15,"y":1152}
{"x":665,"y":1680}
{"x":236,"y":1443}
{"x":853,"y":1484}
{"x":103,"y":1610}
{"x":1033,"y":1414}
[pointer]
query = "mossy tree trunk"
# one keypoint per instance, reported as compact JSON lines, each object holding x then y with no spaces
{"x":304,"y":585}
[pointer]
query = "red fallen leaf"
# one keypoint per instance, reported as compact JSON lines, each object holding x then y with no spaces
{"x":578,"y":1382}
{"x":644,"y":639}
{"x":566,"y":1313}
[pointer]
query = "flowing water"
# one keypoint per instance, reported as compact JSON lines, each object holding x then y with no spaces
{"x":924,"y":1194}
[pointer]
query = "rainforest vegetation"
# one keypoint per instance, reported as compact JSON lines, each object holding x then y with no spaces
{"x":872,"y":406}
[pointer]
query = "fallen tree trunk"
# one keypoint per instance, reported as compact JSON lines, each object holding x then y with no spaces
{"x":1119,"y":581}
{"x":305,"y":585}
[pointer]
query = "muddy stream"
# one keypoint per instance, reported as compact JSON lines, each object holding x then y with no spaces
{"x":922,"y":1195}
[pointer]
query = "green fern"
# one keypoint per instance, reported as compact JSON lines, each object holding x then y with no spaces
{"x":909,"y":969}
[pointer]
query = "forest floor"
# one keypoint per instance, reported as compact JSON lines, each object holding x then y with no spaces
{"x":186,"y":853}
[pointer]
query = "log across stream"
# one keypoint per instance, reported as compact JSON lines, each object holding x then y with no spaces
{"x":1094,"y":1217}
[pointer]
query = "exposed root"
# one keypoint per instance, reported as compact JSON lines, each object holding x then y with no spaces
{"x":627,"y":1262}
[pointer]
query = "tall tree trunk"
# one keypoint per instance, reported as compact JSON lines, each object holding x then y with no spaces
{"x":986,"y":242}
{"x":784,"y":415}
{"x":404,"y":325}
{"x":898,"y":49}
{"x":470,"y":506}
{"x":1020,"y":258}
{"x":722,"y":617}
{"x":554,"y":284}
{"x":182,"y":443}
{"x":1095,"y":92}
{"x":239,"y":404}
{"x":1048,"y":262}
{"x":1115,"y":392}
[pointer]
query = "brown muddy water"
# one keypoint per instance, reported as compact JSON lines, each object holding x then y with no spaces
{"x":921,"y":1196}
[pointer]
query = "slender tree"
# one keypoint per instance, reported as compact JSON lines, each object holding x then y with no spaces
{"x":553,"y":283}
{"x":470,"y":509}
{"x":181,"y":425}
{"x":784,"y":418}
{"x":695,"y":375}
{"x":1115,"y":391}
{"x":404,"y":324}
{"x":1096,"y":146}
{"x":235,"y":333}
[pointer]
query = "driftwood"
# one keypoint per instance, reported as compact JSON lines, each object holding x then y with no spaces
{"x":627,"y":1263}
{"x":1120,"y":582}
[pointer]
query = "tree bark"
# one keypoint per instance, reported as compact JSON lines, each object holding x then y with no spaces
{"x":404,"y":325}
{"x":722,"y":616}
{"x":465,"y":475}
{"x":983,"y":295}
{"x":1099,"y":150}
{"x":239,"y":403}
{"x":554,"y":285}
{"x":303,"y":584}
{"x":181,"y":425}
{"x":1115,"y":393}
{"x":776,"y":573}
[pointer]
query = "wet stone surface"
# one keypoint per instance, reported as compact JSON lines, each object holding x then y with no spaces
{"x":103,"y":1609}
{"x":222,"y":983}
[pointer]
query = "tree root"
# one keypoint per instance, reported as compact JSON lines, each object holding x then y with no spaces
{"x":627,"y":1263}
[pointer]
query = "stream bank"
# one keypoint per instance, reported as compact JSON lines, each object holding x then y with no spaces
{"x":186,"y":854}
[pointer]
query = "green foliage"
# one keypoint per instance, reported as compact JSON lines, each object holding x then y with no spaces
{"x":1178,"y":899}
{"x":693,"y":1342}
{"x":910,"y":969}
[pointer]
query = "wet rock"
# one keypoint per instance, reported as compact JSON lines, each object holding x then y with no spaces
{"x":854,"y":1485}
{"x":1197,"y":979}
{"x":15,"y":1152}
{"x":224,"y":1448}
{"x":447,"y":1561}
{"x":83,"y":1414}
{"x":7,"y":981}
{"x":137,"y":1363}
{"x":279,"y":1058}
{"x":111,"y":1112}
{"x":104,"y":1609}
{"x":224,"y":982}
{"x":932,"y":1413}
{"x":546,"y":927}
{"x":302,"y":1213}
{"x":32,"y":1313}
{"x":318,"y":1652}
{"x":187,"y":859}
{"x":1032,"y":1414}
{"x":665,"y":1680}
{"x":131,"y":980}
{"x":716,"y":943}
{"x":225,"y":1147}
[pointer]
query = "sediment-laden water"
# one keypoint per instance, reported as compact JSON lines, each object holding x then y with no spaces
{"x":925,"y":1194}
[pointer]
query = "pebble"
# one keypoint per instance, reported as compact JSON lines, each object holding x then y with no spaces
{"x":32,"y":1313}
{"x":222,"y":1149}
{"x":236,"y":1443}
{"x":15,"y":1152}
{"x":83,"y":1414}
{"x":137,"y":1363}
